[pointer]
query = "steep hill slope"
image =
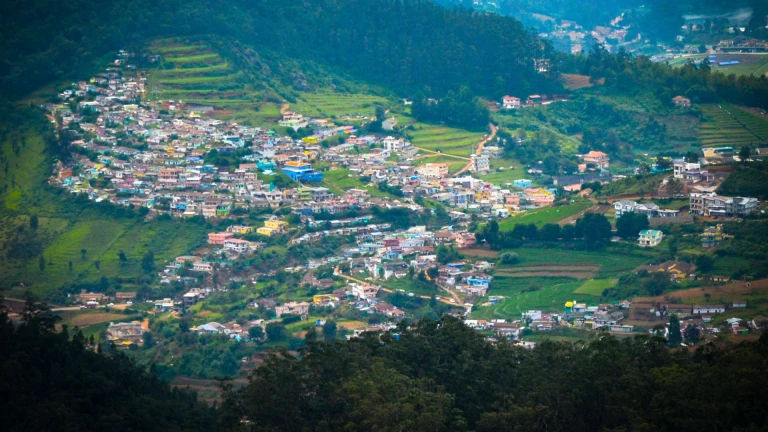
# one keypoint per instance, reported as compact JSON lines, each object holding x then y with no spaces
{"x":79,"y":240}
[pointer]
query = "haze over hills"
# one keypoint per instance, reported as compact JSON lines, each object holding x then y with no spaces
{"x":382,"y":215}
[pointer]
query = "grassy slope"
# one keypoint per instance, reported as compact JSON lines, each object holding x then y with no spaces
{"x":65,"y":229}
{"x":545,"y":215}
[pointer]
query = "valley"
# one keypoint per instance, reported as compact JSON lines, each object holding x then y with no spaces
{"x":278,"y":216}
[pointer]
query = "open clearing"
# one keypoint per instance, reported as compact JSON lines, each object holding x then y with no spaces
{"x":749,"y":64}
{"x":546,"y":215}
{"x":595,"y":287}
{"x":87,"y":319}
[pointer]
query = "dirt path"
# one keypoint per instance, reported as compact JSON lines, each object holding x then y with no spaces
{"x":284,"y":108}
{"x":441,"y":154}
{"x":594,"y":209}
{"x":480,"y":147}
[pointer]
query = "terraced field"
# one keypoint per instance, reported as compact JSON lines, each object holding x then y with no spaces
{"x":194,"y":72}
{"x":727,"y":125}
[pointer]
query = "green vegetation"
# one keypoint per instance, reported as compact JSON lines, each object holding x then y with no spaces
{"x":62,"y":384}
{"x":595,"y":287}
{"x":727,"y":125}
{"x":750,"y":180}
{"x":612,"y":262}
{"x":444,"y":139}
{"x":69,"y":225}
{"x":545,"y":215}
{"x":34,"y":54}
{"x":444,"y":376}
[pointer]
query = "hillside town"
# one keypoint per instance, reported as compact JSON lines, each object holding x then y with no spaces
{"x":170,"y":158}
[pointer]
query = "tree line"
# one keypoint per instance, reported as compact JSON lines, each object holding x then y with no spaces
{"x":443,"y":376}
{"x":592,"y":231}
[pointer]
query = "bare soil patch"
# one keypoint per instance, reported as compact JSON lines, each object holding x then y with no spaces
{"x":479,"y":253}
{"x":95,"y":318}
{"x":641,"y":306}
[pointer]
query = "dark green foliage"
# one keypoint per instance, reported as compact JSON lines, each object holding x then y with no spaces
{"x":592,"y":229}
{"x":675,"y":336}
{"x":443,"y":376}
{"x":276,"y":331}
{"x":704,"y":263}
{"x":629,"y":225}
{"x":749,"y":181}
{"x":625,"y":74}
{"x":329,"y":330}
{"x":387,"y":42}
{"x":595,"y":230}
{"x":148,"y":262}
{"x":459,"y":109}
{"x":52,"y":383}
{"x":656,"y":283}
{"x":446,"y":254}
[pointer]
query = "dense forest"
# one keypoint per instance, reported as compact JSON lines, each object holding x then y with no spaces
{"x":633,"y":75}
{"x":55,"y":381}
{"x":456,"y":108}
{"x":402,"y":44}
{"x":443,"y":376}
{"x":435,"y":375}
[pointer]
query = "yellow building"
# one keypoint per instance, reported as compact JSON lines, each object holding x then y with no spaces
{"x":273,"y":227}
{"x":322,"y":298}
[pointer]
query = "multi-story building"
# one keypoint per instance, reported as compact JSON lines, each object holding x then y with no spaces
{"x":599,"y":159}
{"x":710,"y":204}
{"x":680,"y":167}
{"x":650,"y":238}
{"x":433,"y":170}
{"x":301,"y":171}
{"x":649,"y":209}
{"x":272,"y":227}
{"x":480,"y":163}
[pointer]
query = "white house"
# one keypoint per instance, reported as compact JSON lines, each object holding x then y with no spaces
{"x":650,"y":238}
{"x":510,"y":102}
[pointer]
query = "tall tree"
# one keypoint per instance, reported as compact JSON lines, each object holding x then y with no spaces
{"x":675,"y":336}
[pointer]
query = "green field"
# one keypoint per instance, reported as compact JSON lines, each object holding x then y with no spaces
{"x":612,"y":263}
{"x":339,"y":181}
{"x":545,"y":215}
{"x":750,"y":64}
{"x":551,"y":295}
{"x":595,"y":287}
{"x":504,"y":171}
{"x":334,"y":104}
{"x":443,"y":139}
{"x":727,"y":125}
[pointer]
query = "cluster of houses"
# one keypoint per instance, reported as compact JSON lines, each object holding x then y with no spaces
{"x":579,"y":315}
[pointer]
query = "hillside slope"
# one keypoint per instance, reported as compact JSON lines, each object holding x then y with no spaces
{"x":70,"y":229}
